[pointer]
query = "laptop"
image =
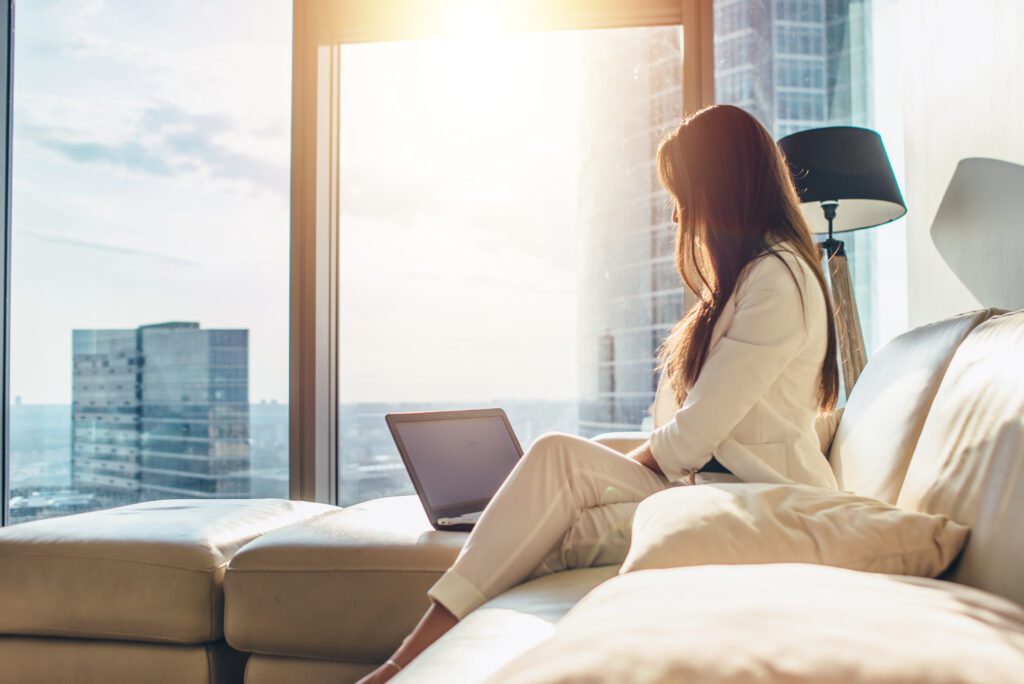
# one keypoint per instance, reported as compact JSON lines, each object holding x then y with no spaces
{"x":456,"y":460}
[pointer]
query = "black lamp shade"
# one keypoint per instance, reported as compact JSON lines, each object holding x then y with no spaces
{"x":848,"y":165}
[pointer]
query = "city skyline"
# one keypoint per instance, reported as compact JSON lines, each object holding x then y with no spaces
{"x":42,"y":475}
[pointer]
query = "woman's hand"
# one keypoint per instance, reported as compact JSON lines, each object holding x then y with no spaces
{"x":643,"y":455}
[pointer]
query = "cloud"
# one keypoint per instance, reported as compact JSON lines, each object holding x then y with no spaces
{"x":130,"y":155}
{"x":163,"y":140}
{"x":92,"y":45}
{"x":107,"y":247}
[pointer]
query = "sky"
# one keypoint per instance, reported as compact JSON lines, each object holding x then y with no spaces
{"x":150,"y":182}
{"x":151,"y":155}
{"x":458,"y":225}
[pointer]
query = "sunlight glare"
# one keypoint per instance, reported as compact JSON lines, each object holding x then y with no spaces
{"x":474,"y":19}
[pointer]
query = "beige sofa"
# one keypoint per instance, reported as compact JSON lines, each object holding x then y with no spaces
{"x":935,"y":424}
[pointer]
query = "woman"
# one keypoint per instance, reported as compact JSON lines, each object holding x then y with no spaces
{"x":744,"y":375}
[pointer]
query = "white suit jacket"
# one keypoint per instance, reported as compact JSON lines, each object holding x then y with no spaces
{"x":754,"y":405}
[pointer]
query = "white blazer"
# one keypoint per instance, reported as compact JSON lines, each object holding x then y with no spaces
{"x":754,"y":405}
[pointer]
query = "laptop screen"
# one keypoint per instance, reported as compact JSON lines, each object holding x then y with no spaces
{"x":459,"y":459}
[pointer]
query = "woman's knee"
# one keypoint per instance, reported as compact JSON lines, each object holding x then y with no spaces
{"x":550,"y":446}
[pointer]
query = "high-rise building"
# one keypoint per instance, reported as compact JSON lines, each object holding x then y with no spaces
{"x":630,"y":294}
{"x":798,"y":64}
{"x":793,"y":64}
{"x":161,"y":411}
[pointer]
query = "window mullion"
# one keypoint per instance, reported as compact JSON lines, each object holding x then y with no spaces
{"x":6,"y":50}
{"x":314,"y":228}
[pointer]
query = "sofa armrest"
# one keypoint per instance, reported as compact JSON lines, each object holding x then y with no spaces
{"x":623,"y":442}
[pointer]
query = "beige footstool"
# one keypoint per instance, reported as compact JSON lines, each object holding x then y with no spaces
{"x":329,"y":598}
{"x":130,"y":594}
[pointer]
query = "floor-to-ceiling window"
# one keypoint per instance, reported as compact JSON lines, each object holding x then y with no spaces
{"x":151,"y":312}
{"x":503,"y":238}
{"x":486,"y":201}
{"x":149,"y":255}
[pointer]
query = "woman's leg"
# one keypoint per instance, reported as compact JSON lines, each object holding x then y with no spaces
{"x":600,"y":536}
{"x":558,"y":478}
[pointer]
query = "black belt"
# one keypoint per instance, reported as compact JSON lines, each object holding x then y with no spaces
{"x":713,"y":466}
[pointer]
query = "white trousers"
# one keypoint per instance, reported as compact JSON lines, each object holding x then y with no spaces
{"x":568,"y":503}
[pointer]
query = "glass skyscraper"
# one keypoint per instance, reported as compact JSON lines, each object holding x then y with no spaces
{"x":630,"y":294}
{"x":161,"y":411}
{"x":798,"y":64}
{"x":793,"y":64}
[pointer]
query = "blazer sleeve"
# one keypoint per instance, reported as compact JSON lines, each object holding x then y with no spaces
{"x":767,"y":332}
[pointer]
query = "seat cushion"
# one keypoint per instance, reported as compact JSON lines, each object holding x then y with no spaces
{"x":779,"y":623}
{"x":41,"y":660}
{"x":503,"y":628}
{"x":146,"y":572}
{"x":969,"y":462}
{"x":884,"y":415}
{"x":347,"y":585}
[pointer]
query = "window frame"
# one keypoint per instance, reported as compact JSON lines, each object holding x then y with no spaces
{"x":320,"y":28}
{"x":6,"y":87}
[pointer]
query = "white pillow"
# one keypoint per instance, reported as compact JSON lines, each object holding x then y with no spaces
{"x":741,"y":523}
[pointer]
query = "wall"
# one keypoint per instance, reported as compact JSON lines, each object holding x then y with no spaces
{"x":890,"y":248}
{"x":963,"y":68}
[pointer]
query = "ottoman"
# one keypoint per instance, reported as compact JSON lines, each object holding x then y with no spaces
{"x":128,"y":594}
{"x":329,"y":598}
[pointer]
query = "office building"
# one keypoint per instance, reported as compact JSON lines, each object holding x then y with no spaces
{"x":160,"y":411}
{"x":630,"y":294}
{"x":798,"y":64}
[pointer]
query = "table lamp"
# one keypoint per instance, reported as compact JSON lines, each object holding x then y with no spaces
{"x":845,"y":183}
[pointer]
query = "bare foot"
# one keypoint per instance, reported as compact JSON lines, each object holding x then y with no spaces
{"x":380,"y":675}
{"x":434,"y":623}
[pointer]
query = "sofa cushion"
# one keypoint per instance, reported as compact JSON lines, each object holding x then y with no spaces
{"x":969,"y":462}
{"x":264,"y":669}
{"x":146,"y":572}
{"x":43,"y":660}
{"x":767,"y":523}
{"x":347,"y":585}
{"x":779,"y":623}
{"x":503,"y":628}
{"x":883,"y":417}
{"x":486,"y":639}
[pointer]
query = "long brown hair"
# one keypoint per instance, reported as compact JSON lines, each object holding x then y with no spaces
{"x":734,"y":197}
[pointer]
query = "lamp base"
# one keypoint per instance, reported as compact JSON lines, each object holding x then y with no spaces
{"x":849,"y":336}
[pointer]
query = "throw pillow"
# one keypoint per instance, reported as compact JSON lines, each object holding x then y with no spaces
{"x":741,"y":523}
